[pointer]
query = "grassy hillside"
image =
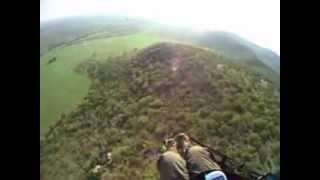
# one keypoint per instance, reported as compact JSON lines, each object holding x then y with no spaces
{"x":138,"y":98}
{"x":61,"y":88}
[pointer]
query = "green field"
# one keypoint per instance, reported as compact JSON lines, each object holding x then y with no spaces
{"x":61,"y":88}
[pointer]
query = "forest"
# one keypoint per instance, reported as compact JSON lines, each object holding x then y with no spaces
{"x":138,"y":98}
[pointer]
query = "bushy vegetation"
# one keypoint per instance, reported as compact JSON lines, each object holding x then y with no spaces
{"x":62,"y":89}
{"x":137,"y":99}
{"x":66,"y":42}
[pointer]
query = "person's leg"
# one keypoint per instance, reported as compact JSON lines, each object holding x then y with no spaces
{"x":219,"y":178}
{"x":216,"y":175}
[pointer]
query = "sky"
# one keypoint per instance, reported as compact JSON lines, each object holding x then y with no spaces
{"x":255,"y":20}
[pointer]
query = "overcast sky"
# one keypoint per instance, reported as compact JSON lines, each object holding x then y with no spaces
{"x":256,"y":20}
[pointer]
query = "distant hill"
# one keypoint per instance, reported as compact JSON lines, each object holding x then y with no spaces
{"x":236,"y":47}
{"x":61,"y":31}
{"x":137,"y":99}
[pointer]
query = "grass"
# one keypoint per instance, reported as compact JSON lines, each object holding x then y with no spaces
{"x":62,"y":89}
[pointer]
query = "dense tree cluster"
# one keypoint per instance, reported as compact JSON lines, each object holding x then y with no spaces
{"x":137,"y":99}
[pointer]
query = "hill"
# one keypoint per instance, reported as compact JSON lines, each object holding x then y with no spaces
{"x":238,"y":48}
{"x":241,"y":51}
{"x":138,"y":98}
{"x":70,"y":30}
